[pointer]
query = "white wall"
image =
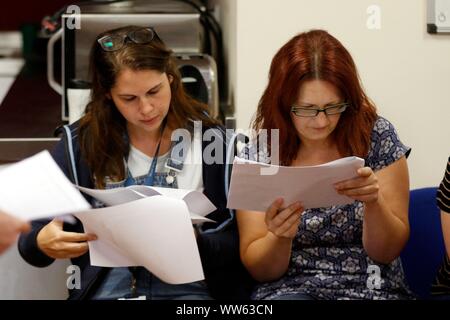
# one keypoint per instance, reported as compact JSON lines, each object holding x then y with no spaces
{"x":19,"y":280}
{"x":404,"y":70}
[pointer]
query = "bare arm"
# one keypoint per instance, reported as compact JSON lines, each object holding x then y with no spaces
{"x":266,"y":239}
{"x":386,"y":197}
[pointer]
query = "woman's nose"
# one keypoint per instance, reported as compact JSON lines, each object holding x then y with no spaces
{"x":145,"y":105}
{"x":321,"y":118}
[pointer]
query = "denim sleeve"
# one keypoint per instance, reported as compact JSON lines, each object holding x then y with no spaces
{"x":29,"y":249}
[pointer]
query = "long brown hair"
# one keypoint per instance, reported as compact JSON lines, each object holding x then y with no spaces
{"x":102,"y":130}
{"x":308,"y":56}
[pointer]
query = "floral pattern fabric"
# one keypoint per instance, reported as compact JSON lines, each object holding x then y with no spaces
{"x":328,"y":260}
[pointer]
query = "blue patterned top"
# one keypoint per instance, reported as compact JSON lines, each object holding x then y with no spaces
{"x":328,"y":260}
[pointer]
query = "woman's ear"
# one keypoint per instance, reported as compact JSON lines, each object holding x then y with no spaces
{"x":170,"y":77}
{"x":108,"y":95}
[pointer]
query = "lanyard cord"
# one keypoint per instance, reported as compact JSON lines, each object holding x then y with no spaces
{"x":134,"y":270}
{"x":152,"y":171}
{"x":155,"y":158}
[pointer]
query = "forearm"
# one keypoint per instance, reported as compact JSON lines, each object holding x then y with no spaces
{"x":267,"y":258}
{"x":384,"y":234}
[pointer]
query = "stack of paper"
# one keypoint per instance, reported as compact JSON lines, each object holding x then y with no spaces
{"x":254,"y":185}
{"x":150,"y":227}
{"x":154,"y":232}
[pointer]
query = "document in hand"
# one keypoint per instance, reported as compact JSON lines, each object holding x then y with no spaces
{"x":37,"y":188}
{"x":153,"y":232}
{"x":254,"y":185}
{"x":150,"y":227}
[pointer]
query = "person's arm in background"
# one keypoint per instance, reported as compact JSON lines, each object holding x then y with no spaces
{"x":443,"y":201}
{"x":445,"y":220}
{"x":10,"y":228}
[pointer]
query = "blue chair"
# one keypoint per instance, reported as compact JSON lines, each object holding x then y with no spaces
{"x":425,"y":249}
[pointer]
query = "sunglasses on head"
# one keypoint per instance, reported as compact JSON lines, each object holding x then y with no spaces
{"x":116,"y":42}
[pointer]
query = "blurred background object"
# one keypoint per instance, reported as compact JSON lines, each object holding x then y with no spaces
{"x":52,"y":88}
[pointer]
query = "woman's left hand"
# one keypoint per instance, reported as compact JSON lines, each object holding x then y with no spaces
{"x":364,"y":188}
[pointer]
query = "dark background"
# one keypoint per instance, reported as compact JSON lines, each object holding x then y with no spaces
{"x":15,"y":14}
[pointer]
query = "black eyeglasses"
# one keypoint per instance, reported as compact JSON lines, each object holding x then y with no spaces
{"x":117,"y":41}
{"x":312,"y":112}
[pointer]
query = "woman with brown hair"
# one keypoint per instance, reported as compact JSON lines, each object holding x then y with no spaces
{"x":126,"y":137}
{"x":315,"y":99}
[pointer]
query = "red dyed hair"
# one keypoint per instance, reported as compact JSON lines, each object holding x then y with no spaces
{"x":315,"y":55}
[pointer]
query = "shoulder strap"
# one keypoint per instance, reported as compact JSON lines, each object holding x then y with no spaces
{"x":232,"y":151}
{"x":68,"y":144}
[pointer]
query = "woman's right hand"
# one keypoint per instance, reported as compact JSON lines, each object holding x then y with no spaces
{"x":283,"y":223}
{"x":59,"y":244}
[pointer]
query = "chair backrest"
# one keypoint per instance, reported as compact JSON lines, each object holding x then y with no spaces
{"x":425,"y":249}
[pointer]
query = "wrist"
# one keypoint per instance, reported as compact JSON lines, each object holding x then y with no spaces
{"x":40,"y":241}
{"x":277,"y":239}
{"x":376,"y":200}
{"x":376,"y":205}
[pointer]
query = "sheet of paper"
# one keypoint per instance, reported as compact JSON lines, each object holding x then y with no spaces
{"x":37,"y":188}
{"x":254,"y":186}
{"x":198,"y":219}
{"x":153,"y":232}
{"x":112,"y":197}
{"x":198,"y":204}
{"x":196,"y":201}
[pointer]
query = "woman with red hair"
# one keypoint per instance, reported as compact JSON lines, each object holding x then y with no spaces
{"x":315,"y":99}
